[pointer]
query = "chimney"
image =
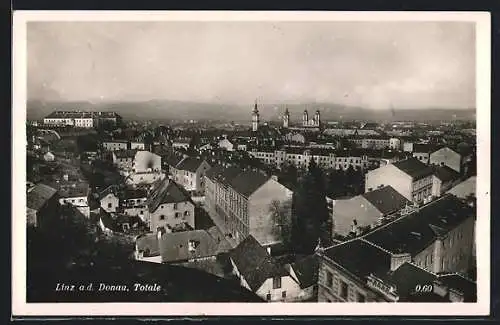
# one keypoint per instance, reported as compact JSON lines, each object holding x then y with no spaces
{"x":268,"y":250}
{"x":399,"y":259}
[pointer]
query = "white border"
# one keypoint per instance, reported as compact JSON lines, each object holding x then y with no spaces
{"x":21,"y":308}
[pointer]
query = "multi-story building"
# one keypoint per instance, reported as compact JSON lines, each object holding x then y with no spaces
{"x":300,"y":157}
{"x":146,"y":162}
{"x":124,"y":159}
{"x":80,"y":119}
{"x":75,"y":194}
{"x":248,"y":202}
{"x":410,"y":177}
{"x":170,"y":207}
{"x":437,"y":237}
{"x":351,"y":215}
{"x":190,"y":173}
{"x":414,"y":249}
{"x":447,"y":157}
{"x":115,"y":145}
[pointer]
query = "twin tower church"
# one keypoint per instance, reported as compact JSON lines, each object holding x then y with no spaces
{"x":313,"y":124}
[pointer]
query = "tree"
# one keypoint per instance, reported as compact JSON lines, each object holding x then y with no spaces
{"x":310,"y":217}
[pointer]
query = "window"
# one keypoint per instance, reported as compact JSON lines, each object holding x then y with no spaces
{"x":360,"y":297}
{"x":268,"y":297}
{"x":343,"y":290}
{"x":177,"y":214}
{"x":283,"y":294}
{"x":186,"y":213}
{"x":110,"y":205}
{"x":175,"y":206}
{"x":329,"y":279}
{"x":162,"y":217}
{"x":276,"y":282}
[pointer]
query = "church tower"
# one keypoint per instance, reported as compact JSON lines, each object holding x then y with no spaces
{"x":286,"y":119}
{"x":317,"y":119}
{"x":255,"y":118}
{"x":305,"y":118}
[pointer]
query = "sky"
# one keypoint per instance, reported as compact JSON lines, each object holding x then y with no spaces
{"x":374,"y":65}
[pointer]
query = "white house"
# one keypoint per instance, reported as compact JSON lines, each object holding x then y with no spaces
{"x":260,"y":273}
{"x":108,"y":199}
{"x":226,"y":144}
{"x":49,"y":156}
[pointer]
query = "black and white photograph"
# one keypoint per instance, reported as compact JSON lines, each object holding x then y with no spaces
{"x":307,"y":163}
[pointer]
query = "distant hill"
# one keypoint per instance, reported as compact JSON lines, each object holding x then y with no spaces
{"x":179,"y":110}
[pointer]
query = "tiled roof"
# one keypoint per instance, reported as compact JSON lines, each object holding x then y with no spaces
{"x":167,"y":192}
{"x":112,"y":189}
{"x":248,"y":182}
{"x":414,"y":168}
{"x":354,"y":256}
{"x":414,"y":232}
{"x":39,"y":195}
{"x":306,"y":270}
{"x":138,"y":193}
{"x":425,"y":148}
{"x":254,"y":264}
{"x":457,"y":282}
{"x":446,"y":174}
{"x":386,"y":199}
{"x":175,"y":246}
{"x":407,"y":277}
{"x":190,"y":164}
{"x":129,"y":153}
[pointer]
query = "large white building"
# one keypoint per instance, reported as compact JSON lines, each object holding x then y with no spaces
{"x":410,"y":177}
{"x":80,"y":119}
{"x":246,"y":203}
{"x":301,"y":157}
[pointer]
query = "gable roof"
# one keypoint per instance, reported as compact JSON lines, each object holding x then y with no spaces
{"x":38,"y":195}
{"x":167,"y":192}
{"x":190,"y":164}
{"x":446,"y":174}
{"x":353,"y":256}
{"x":406,"y":277}
{"x":134,"y":193}
{"x":457,"y":282}
{"x":414,"y":168}
{"x":386,"y":199}
{"x":416,"y":231}
{"x":111,"y":189}
{"x":306,"y":270}
{"x":425,"y":147}
{"x":126,"y":153}
{"x":254,"y":264}
{"x":248,"y":181}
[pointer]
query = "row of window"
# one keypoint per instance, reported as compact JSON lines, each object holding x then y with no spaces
{"x":177,"y":215}
{"x":72,"y":200}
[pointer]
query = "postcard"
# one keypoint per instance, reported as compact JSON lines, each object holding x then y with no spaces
{"x":174,"y":163}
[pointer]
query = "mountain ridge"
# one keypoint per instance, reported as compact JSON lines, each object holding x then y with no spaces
{"x":184,"y":110}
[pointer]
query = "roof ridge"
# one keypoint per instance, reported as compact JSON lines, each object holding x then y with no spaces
{"x":421,"y":268}
{"x":377,"y":246}
{"x":457,"y":274}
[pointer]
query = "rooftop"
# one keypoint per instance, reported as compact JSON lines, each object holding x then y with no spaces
{"x":386,"y":199}
{"x":446,"y":174}
{"x":413,"y":167}
{"x":416,"y":231}
{"x":166,"y":192}
{"x":353,"y":256}
{"x":254,"y":264}
{"x":457,"y":282}
{"x":306,"y":270}
{"x":38,"y":195}
{"x":190,"y":164}
{"x":129,"y":153}
{"x":407,"y":277}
